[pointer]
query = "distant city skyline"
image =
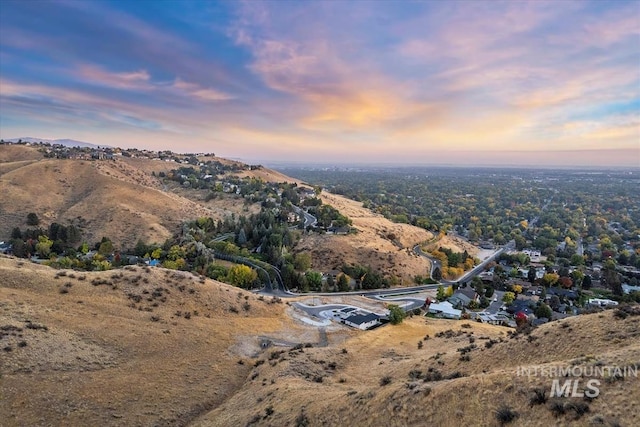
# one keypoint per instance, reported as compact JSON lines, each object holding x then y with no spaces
{"x":468,"y":82}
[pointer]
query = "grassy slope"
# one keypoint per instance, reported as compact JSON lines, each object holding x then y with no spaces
{"x":352,"y":394}
{"x":122,"y":200}
{"x":103,"y":360}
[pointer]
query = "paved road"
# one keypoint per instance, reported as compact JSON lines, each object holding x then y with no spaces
{"x":468,"y":275}
{"x":309,"y":220}
{"x":406,"y":303}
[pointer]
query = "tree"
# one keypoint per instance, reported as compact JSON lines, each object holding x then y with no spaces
{"x":531,"y":274}
{"x":32,"y":219}
{"x":43,"y":247}
{"x":488,"y":293}
{"x":566,"y":282}
{"x":242,"y":276}
{"x":550,"y":279}
{"x":16,"y":233}
{"x":302,"y":261}
{"x":577,"y":276}
{"x":508,"y":298}
{"x":396,"y":314}
{"x":440,"y":294}
{"x":314,"y":279}
{"x":343,"y":283}
{"x":242,"y":238}
{"x":106,"y":247}
{"x":176,"y":252}
{"x":544,"y":310}
{"x":437,"y":274}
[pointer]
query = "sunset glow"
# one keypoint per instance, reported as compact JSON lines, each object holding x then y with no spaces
{"x":470,"y":83}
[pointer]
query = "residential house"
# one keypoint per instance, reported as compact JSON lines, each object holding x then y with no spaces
{"x":463,"y":296}
{"x":445,"y":309}
{"x":363,"y":321}
{"x":601,"y":302}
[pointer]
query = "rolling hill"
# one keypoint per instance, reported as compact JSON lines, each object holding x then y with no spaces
{"x":125,"y":201}
{"x":148,"y":346}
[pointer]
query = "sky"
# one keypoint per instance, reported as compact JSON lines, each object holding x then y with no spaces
{"x":384,"y":82}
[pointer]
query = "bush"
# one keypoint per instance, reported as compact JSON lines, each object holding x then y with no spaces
{"x":620,"y":314}
{"x":579,"y":408}
{"x":556,"y":407}
{"x":505,"y":415}
{"x":386,"y":380}
{"x":539,"y":397}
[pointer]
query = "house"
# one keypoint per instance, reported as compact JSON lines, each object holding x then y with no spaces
{"x":520,"y":305}
{"x":493,"y":319}
{"x":363,"y":321}
{"x":627,"y":289}
{"x":462,"y":297}
{"x":566,"y":293}
{"x":339,"y":230}
{"x":601,"y":302}
{"x":445,"y":309}
{"x":5,"y":248}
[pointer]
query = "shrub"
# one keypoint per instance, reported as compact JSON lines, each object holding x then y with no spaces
{"x":539,"y":397}
{"x":620,"y":314}
{"x":505,"y":415}
{"x":579,"y":408}
{"x":556,"y":407}
{"x":386,"y":380}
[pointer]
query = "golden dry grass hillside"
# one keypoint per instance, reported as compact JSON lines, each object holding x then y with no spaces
{"x":125,"y":201}
{"x":149,"y":346}
{"x":118,"y":199}
{"x":384,"y":245}
{"x":136,"y":346}
{"x":385,"y":377}
{"x":95,"y":197}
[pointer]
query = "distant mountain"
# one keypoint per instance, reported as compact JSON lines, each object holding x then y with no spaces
{"x":65,"y":142}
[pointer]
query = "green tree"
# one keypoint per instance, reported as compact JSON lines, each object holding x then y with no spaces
{"x":32,"y":219}
{"x":437,"y":274}
{"x":302,"y":261}
{"x":242,"y":276}
{"x":176,"y":252}
{"x":396,"y":314}
{"x":578,"y":277}
{"x":106,"y":247}
{"x":440,"y":294}
{"x":343,"y":283}
{"x":544,"y":310}
{"x":43,"y":247}
{"x":508,"y":298}
{"x":16,"y":233}
{"x":157,"y":253}
{"x":314,"y":279}
{"x":531,"y":274}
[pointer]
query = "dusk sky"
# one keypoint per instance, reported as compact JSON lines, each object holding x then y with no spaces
{"x":434,"y":82}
